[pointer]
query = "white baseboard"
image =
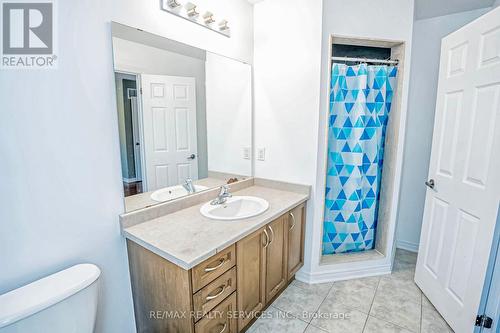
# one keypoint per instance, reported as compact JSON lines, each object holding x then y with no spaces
{"x":336,"y":275}
{"x":408,"y":246}
{"x":130,"y":180}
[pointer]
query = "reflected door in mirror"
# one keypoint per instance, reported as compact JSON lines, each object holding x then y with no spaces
{"x":169,"y":118}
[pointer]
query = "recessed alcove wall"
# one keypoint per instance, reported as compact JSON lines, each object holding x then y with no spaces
{"x":388,"y":191}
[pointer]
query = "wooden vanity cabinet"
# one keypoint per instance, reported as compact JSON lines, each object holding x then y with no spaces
{"x":266,"y":261}
{"x":251,"y":277}
{"x":276,"y":257}
{"x":296,"y":231}
{"x":224,"y":293}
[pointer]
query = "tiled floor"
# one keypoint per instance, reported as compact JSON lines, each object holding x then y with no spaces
{"x":391,"y":303}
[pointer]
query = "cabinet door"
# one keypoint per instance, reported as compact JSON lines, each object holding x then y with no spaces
{"x":276,"y":257}
{"x":296,"y":230}
{"x":250,"y":266}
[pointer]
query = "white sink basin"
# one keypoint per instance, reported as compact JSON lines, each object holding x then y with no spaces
{"x":173,"y":192}
{"x":235,"y":208}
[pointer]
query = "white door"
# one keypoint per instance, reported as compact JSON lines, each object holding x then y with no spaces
{"x":461,"y":210}
{"x":169,"y":122}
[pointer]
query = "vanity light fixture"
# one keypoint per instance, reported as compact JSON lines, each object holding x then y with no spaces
{"x":191,"y":10}
{"x":208,"y":17}
{"x":173,"y":3}
{"x":223,"y":25}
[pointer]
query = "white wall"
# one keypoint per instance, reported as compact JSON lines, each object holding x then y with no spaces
{"x":287,"y":67}
{"x":287,"y":55}
{"x":61,"y":179}
{"x":229,"y":114}
{"x":387,"y":19}
{"x":427,"y":36}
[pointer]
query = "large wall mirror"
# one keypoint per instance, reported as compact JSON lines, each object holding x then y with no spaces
{"x":184,"y":114}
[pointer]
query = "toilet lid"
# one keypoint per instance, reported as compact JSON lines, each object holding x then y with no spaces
{"x":41,"y":294}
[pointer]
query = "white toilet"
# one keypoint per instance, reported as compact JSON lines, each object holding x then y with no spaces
{"x":64,"y":302}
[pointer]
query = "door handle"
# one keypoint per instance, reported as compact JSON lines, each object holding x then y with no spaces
{"x":430,"y":183}
{"x":191,"y":157}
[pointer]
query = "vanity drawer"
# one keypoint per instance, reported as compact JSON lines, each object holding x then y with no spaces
{"x":211,"y":295}
{"x":213,"y":267}
{"x":221,"y":319}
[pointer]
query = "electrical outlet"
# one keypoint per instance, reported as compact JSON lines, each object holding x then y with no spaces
{"x":246,"y":153}
{"x":261,"y":154}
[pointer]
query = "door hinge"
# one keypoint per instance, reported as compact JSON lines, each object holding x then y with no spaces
{"x":140,"y":90}
{"x":484,"y":321}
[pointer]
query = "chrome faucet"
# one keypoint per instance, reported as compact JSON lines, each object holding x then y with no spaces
{"x":222,"y":196}
{"x":188,"y":185}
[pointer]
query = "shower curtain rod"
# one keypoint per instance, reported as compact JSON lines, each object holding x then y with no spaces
{"x":381,"y":61}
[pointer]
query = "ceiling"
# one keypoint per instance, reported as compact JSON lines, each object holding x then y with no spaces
{"x":431,"y":8}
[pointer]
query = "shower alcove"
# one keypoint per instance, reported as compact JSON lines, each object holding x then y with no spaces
{"x":376,"y":261}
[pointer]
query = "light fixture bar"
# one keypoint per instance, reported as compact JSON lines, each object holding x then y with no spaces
{"x":189,"y":11}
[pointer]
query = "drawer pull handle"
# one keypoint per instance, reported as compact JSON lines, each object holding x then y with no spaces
{"x":223,"y":328}
{"x":221,"y":262}
{"x":222,"y":289}
{"x":272,"y":234}
{"x":293,"y":220}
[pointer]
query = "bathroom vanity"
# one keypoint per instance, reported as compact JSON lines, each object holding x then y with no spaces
{"x":185,"y":130}
{"x":194,"y":274}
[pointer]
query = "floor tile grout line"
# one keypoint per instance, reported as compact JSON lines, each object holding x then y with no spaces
{"x":393,"y":324}
{"x":305,"y":289}
{"x":289,"y":313}
{"x":319,"y":328}
{"x":390,"y":322}
{"x":371,"y":304}
{"x":319,"y":307}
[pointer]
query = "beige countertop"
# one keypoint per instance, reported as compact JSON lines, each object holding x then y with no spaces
{"x":186,"y":237}
{"x":141,"y":200}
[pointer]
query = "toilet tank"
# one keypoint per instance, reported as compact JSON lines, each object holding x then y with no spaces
{"x":64,"y":302}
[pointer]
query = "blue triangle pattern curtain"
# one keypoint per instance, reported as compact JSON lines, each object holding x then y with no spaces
{"x":360,"y":102}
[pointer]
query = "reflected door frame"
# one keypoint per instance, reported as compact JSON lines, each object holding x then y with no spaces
{"x":140,"y":126}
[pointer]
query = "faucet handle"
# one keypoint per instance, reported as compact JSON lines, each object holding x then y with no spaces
{"x":224,"y":189}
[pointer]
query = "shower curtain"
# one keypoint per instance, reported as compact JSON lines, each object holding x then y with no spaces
{"x":360,"y":102}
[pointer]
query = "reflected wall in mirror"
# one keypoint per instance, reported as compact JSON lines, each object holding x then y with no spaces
{"x":184,"y":117}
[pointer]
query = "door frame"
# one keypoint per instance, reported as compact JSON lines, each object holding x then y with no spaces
{"x":136,"y":134}
{"x":492,"y":271}
{"x":140,"y":124}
